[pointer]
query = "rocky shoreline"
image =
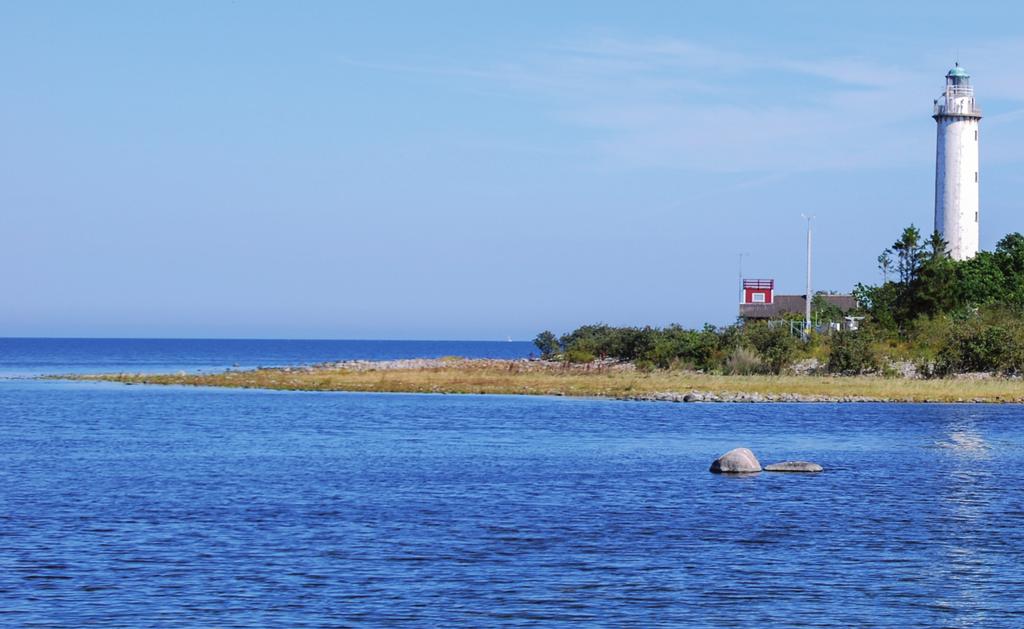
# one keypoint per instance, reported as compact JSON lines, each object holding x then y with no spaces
{"x":454,"y":362}
{"x":755,"y":398}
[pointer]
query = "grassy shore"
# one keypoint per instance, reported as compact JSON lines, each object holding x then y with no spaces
{"x":615,"y":381}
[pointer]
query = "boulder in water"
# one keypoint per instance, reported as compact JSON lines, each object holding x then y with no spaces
{"x":736,"y":461}
{"x":793,"y":466}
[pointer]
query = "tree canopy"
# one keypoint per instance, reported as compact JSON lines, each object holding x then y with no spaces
{"x":929,"y":283}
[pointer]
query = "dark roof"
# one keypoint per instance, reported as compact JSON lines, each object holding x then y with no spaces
{"x":795,"y":304}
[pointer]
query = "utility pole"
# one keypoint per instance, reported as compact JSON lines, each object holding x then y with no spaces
{"x":740,"y":284}
{"x":807,"y":305}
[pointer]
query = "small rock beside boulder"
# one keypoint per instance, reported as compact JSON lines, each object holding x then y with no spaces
{"x":736,"y":461}
{"x":793,"y":466}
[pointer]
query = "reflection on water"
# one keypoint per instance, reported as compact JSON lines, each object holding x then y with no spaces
{"x":961,"y":434}
{"x":967,"y":441}
{"x":132,"y":506}
{"x":965,"y":482}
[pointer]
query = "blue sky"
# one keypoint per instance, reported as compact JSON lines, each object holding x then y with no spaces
{"x":470,"y":169}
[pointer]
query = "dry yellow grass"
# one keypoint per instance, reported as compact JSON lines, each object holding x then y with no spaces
{"x":523,"y":378}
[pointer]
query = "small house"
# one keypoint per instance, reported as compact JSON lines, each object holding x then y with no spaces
{"x":761,"y":303}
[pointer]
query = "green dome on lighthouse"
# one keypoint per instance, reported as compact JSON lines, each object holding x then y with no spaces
{"x":957,"y":71}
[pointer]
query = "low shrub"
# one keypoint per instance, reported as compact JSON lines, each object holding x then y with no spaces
{"x":776,"y":346}
{"x":850,"y":353}
{"x":975,"y":347}
{"x":578,"y":356}
{"x":665,"y":348}
{"x":644,"y":366}
{"x":743,"y":362}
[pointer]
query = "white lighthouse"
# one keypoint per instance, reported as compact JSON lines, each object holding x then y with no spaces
{"x":956,"y":165}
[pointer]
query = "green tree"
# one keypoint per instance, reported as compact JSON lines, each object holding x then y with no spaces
{"x":934,"y":289}
{"x":909,"y":254}
{"x":981,"y":280}
{"x":1009,"y":257}
{"x":547,"y":343}
{"x":1010,"y":254}
{"x":880,"y":302}
{"x":824,"y":310}
{"x":885,"y":260}
{"x":936,"y":249}
{"x":885,"y":264}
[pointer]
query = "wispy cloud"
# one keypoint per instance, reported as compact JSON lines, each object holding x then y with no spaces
{"x":678,"y":104}
{"x":674,"y":103}
{"x":691,"y":57}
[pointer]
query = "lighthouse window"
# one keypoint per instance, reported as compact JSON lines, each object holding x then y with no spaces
{"x":975,"y":135}
{"x":975,"y":176}
{"x":975,"y":217}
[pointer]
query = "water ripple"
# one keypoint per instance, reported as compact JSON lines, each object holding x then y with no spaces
{"x":164,"y":507}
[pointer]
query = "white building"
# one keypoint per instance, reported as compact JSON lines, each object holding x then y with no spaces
{"x":956,"y":165}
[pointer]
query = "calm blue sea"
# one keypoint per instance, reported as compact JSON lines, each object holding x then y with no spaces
{"x":19,"y":356}
{"x":138,"y":506}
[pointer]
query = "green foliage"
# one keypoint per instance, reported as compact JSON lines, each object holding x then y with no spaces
{"x":880,"y":303}
{"x":576,"y":355}
{"x":925,"y":335}
{"x":930,"y":284}
{"x":547,"y":343}
{"x":751,"y":348}
{"x":673,"y":346}
{"x":1009,"y":258}
{"x":605,"y":341}
{"x":850,"y":353}
{"x":982,"y":280}
{"x":909,"y":254}
{"x":885,"y":264}
{"x":979,"y":349}
{"x":990,"y":340}
{"x":1010,"y":254}
{"x":644,"y":366}
{"x":823,"y":310}
{"x":934,"y":287}
{"x":743,"y":361}
{"x":775,"y":345}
